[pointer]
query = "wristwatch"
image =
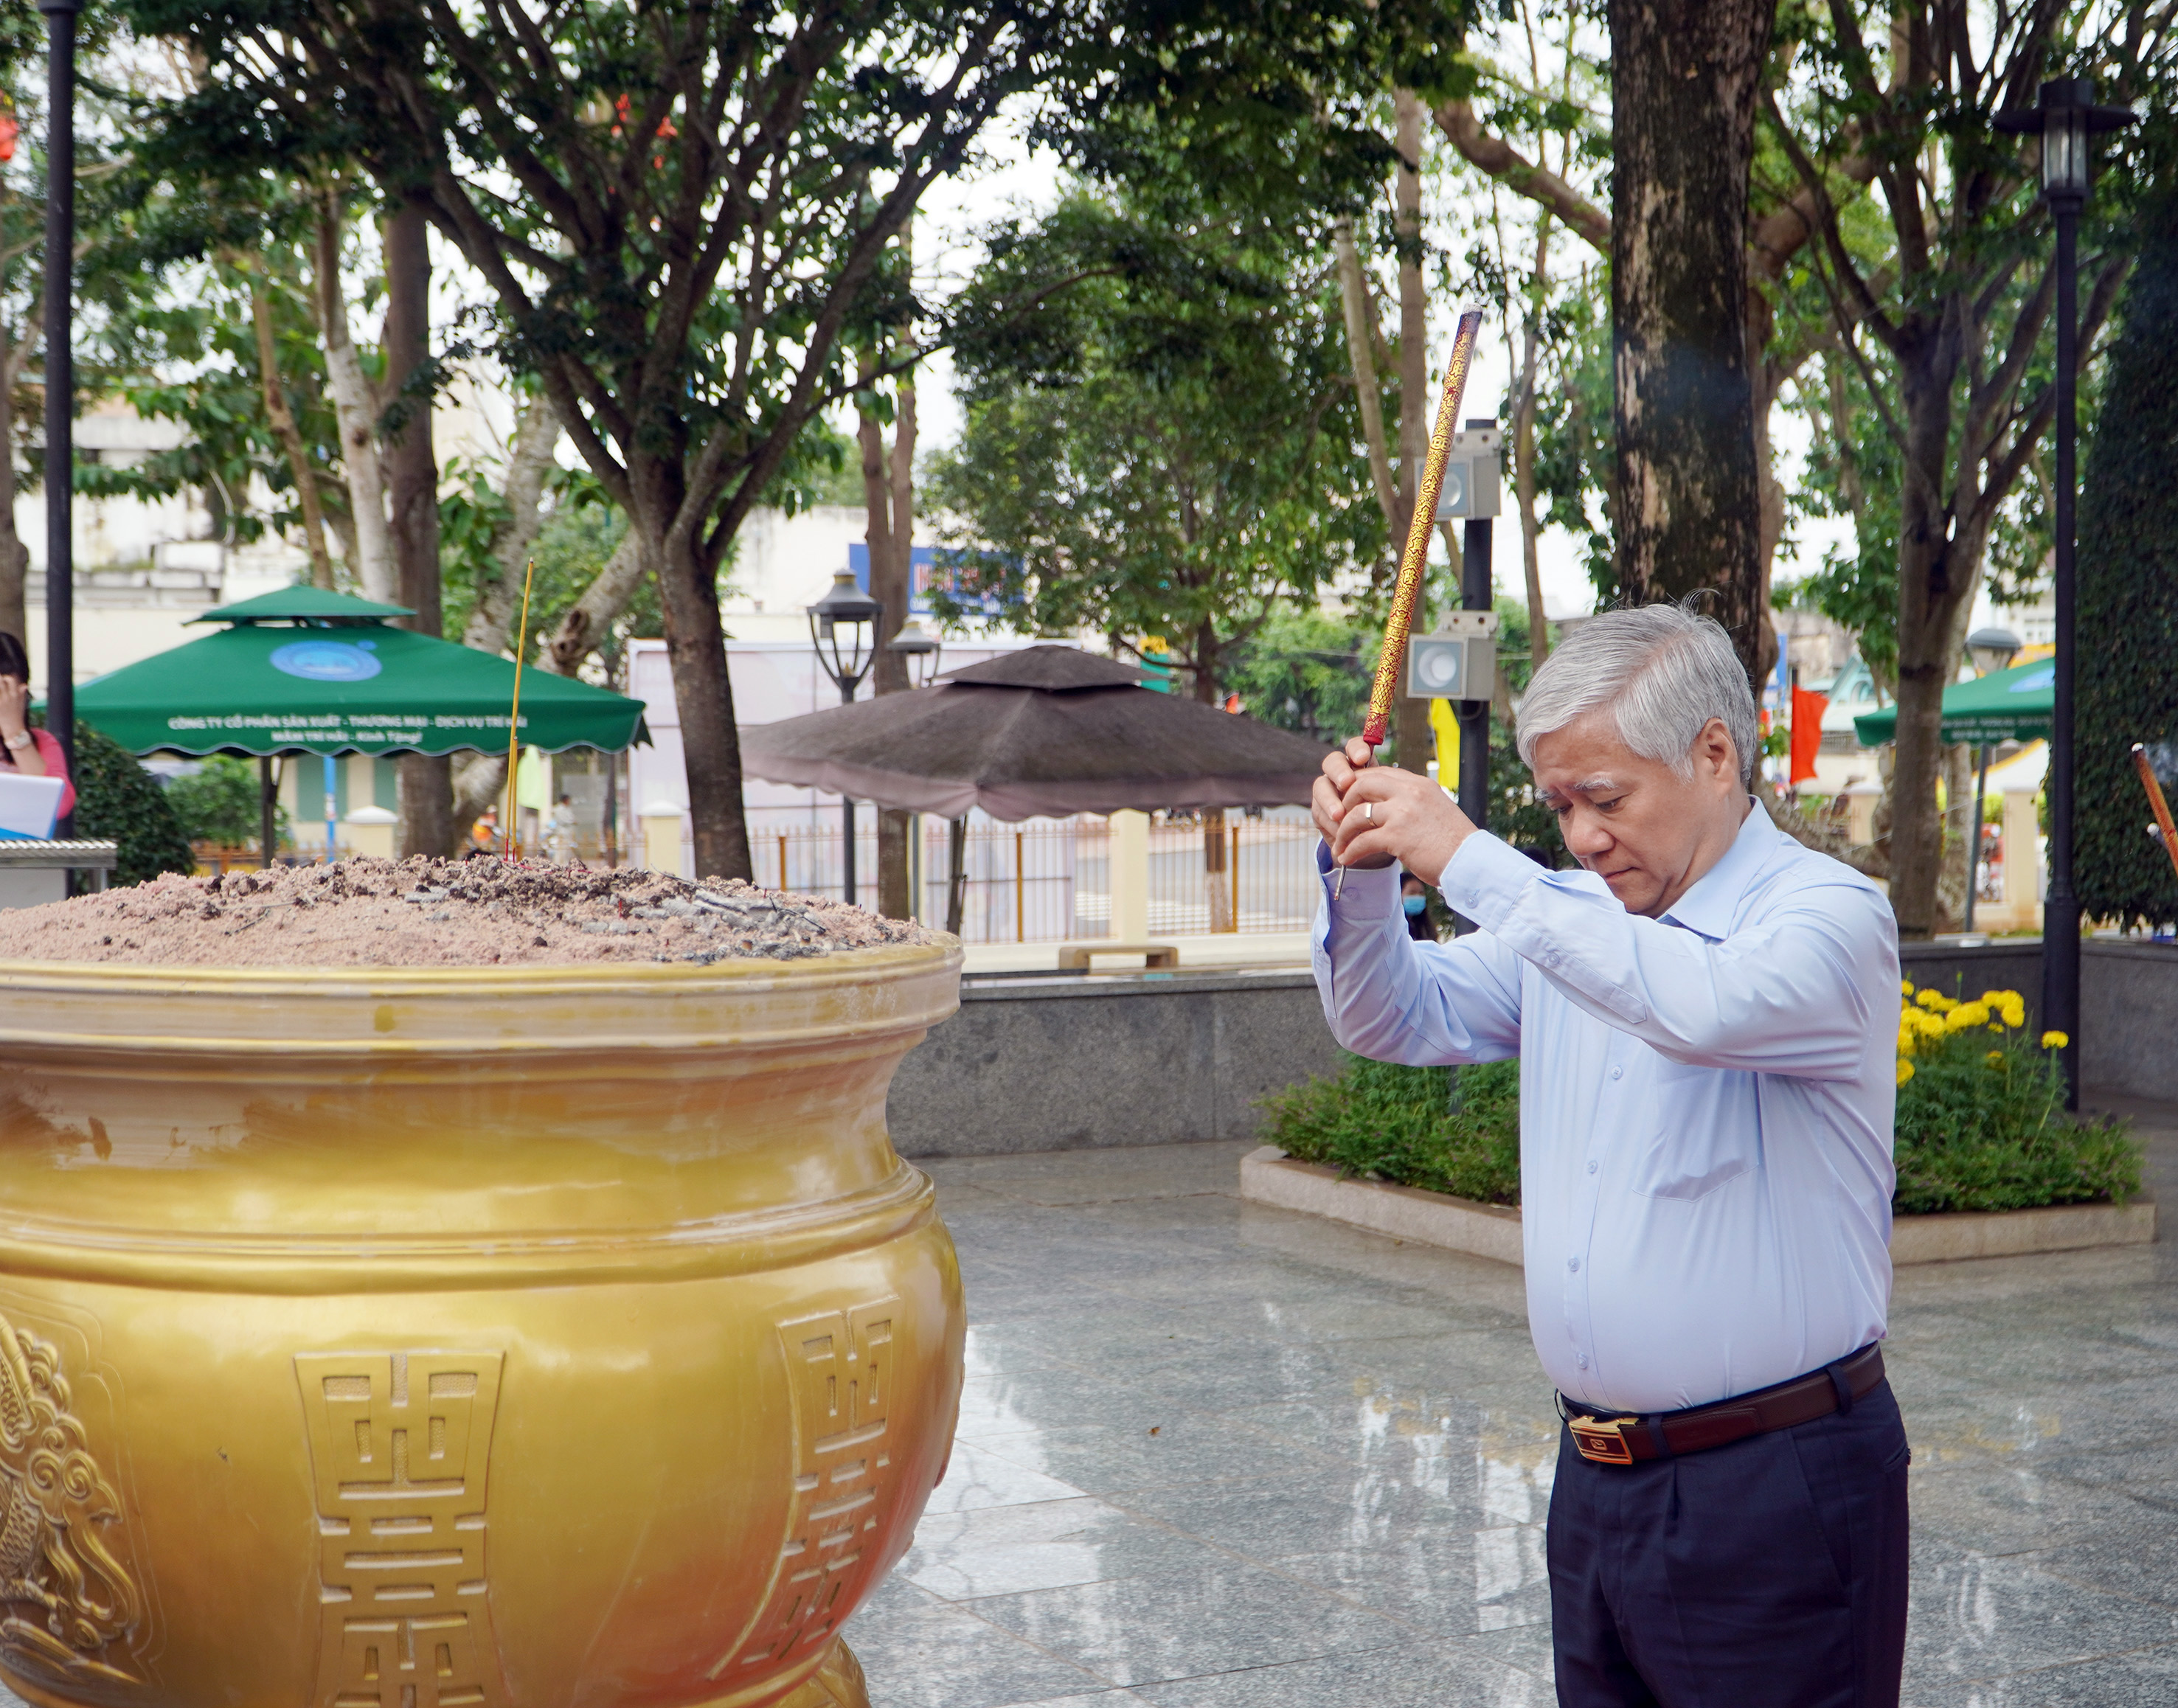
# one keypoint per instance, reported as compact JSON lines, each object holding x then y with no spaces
{"x":19,"y":741}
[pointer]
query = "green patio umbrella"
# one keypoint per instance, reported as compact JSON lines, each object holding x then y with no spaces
{"x":306,"y":671}
{"x":2013,"y":705}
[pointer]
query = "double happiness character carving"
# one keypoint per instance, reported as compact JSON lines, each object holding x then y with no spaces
{"x":399,"y":1443}
{"x":69,"y":1602}
{"x":840,"y":1367}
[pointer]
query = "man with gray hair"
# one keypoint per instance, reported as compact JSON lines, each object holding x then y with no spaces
{"x":1705,"y":1016}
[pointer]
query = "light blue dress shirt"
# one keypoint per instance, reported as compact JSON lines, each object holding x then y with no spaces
{"x":1705,"y":1100}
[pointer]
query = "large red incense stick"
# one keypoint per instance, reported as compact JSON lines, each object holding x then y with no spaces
{"x":1400,"y":622}
{"x":1407,"y":592}
{"x":2160,"y":807}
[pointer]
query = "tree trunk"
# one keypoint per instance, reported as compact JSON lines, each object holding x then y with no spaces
{"x":704,"y":695}
{"x":1523,"y":458}
{"x":498,"y":601}
{"x":1360,"y":355}
{"x":356,"y":410}
{"x":889,"y":490}
{"x":588,"y":623}
{"x":1934,"y":601}
{"x":426,"y":791}
{"x":1685,"y":77}
{"x":283,"y":418}
{"x":1411,"y":724}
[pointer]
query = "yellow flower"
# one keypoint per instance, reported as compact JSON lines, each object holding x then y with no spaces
{"x":1905,"y":986}
{"x":2054,"y":1040}
{"x":1997,"y":998}
{"x":1905,"y":1071}
{"x":2015,"y":1010}
{"x":1905,"y":1040}
{"x":1995,"y":1057}
{"x":1966,"y":1015}
{"x":1929,"y":999}
{"x":1928,"y":1024}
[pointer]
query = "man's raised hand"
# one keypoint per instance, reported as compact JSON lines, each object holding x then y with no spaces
{"x":1372,"y":815}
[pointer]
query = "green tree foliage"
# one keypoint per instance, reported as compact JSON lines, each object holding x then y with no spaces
{"x":2128,"y":595}
{"x":117,"y":799}
{"x":187,"y":353}
{"x":683,"y":212}
{"x":1308,"y":672}
{"x":219,"y":802}
{"x":1164,"y":447}
{"x":572,"y":548}
{"x":1384,"y":1122}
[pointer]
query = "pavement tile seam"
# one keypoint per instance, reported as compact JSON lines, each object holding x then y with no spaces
{"x":2067,"y":1663}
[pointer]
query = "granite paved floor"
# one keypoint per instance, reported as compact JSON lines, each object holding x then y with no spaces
{"x":1212,"y":1455}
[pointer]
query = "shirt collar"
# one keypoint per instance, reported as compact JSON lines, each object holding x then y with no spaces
{"x":1712,"y":901}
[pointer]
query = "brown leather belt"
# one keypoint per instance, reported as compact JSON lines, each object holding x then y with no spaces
{"x":1666,"y":1434}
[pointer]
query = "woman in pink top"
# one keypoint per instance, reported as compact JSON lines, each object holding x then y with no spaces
{"x":32,"y":752}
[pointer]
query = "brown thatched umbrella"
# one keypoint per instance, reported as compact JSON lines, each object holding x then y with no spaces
{"x":1043,"y":732}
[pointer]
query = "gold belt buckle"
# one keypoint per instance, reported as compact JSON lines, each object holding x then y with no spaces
{"x":1600,"y":1440}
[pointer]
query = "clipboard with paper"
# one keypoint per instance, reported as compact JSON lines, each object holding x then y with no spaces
{"x":29,"y":806}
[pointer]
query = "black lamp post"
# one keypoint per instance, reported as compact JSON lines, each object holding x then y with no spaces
{"x":1991,"y":649}
{"x":919,"y":650}
{"x":2065,"y":119}
{"x":842,"y":626}
{"x":60,"y":380}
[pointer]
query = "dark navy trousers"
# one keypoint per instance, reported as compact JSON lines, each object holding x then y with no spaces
{"x":1768,"y":1573}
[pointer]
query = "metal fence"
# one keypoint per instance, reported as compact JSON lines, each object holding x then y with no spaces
{"x":1047,"y":880}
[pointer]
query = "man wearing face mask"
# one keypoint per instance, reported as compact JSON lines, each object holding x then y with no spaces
{"x":1414,"y":903}
{"x":1704,"y":1016}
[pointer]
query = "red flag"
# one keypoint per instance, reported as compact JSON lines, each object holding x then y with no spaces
{"x":1807,"y":709}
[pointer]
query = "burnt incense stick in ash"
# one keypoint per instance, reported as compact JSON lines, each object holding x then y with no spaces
{"x":1407,"y":593}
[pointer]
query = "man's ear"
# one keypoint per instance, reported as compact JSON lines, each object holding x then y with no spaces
{"x":1715,"y":749}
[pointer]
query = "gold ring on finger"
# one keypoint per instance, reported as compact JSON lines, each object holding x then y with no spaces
{"x":1369,"y":810}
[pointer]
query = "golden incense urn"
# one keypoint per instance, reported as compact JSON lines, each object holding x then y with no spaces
{"x":410,"y":1339}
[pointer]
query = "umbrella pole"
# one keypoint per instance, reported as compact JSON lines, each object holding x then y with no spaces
{"x":956,"y":872}
{"x":1974,"y":848}
{"x":268,"y":804}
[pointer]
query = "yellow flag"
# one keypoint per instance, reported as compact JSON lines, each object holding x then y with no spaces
{"x":1444,"y":724}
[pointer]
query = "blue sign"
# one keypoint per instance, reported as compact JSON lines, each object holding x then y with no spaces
{"x":924,"y":573}
{"x":328,"y":661}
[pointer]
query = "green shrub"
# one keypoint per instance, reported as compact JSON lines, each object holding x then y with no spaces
{"x":1399,"y":1124}
{"x":220,"y":802}
{"x":117,"y":800}
{"x":1981,"y":1124}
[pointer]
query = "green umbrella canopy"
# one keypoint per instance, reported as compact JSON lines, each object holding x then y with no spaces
{"x":2013,"y":705}
{"x":307,"y":671}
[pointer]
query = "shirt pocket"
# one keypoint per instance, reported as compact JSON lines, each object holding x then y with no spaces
{"x":1706,"y":1132}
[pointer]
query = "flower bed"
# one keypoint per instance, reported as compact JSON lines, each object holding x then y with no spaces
{"x":1981,"y":1125}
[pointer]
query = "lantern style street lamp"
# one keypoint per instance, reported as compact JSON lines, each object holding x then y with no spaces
{"x":843,"y":627}
{"x":918,"y":651}
{"x":2066,"y":119}
{"x":1991,"y":649}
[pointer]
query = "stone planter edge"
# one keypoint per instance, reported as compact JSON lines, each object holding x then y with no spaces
{"x":1269,"y":1176}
